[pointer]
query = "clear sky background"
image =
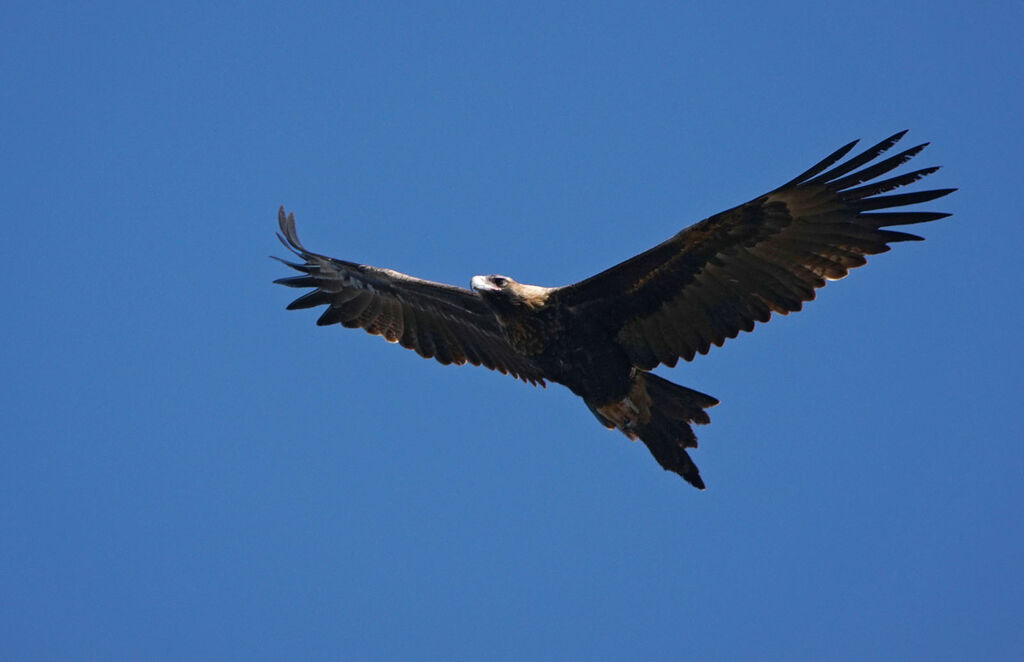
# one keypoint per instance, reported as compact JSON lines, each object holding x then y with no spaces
{"x":191,"y":472}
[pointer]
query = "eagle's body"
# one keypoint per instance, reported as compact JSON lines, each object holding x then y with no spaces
{"x":601,"y":336}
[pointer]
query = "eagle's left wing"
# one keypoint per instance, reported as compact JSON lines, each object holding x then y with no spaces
{"x":443,"y":322}
{"x":720,"y":276}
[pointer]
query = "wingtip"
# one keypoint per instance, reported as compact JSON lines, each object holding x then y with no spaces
{"x":913,"y":151}
{"x":822,"y":165}
{"x":288,"y":235}
{"x":942,"y":192}
{"x":898,"y":135}
{"x":848,"y":146}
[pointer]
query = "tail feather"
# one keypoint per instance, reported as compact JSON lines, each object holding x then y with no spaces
{"x":678,"y":402}
{"x":659,"y":413}
{"x":668,"y":433}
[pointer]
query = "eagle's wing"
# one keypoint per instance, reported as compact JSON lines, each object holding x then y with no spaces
{"x":438,"y":321}
{"x":723,"y":274}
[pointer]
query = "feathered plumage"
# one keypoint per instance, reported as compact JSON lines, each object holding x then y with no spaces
{"x":599,"y":337}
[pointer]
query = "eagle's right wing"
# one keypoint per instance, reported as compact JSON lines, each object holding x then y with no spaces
{"x":443,"y":322}
{"x":722,"y":275}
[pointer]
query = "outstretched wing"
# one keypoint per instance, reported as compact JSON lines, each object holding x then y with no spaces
{"x":438,"y":321}
{"x":723,"y":274}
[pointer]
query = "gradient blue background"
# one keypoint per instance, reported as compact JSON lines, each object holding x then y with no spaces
{"x":190,"y":472}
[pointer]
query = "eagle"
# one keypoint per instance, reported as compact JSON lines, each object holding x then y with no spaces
{"x":602,"y":336}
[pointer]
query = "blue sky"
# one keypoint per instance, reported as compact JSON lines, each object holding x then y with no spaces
{"x":191,"y":472}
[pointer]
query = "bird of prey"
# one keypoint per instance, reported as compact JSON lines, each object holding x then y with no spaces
{"x":602,"y":336}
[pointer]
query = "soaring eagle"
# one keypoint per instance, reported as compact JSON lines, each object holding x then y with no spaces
{"x":600,"y":337}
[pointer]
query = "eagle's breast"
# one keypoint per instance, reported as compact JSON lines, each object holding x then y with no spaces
{"x":526,"y":335}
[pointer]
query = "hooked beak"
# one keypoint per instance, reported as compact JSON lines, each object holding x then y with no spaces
{"x":481,"y":284}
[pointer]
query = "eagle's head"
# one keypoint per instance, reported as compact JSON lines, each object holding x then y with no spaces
{"x":506,"y":295}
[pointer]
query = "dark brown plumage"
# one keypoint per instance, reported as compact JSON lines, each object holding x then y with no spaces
{"x":601,"y":336}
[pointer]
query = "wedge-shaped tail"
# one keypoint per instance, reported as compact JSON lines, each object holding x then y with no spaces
{"x":659,"y":413}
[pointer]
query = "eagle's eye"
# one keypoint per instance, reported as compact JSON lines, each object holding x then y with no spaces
{"x":499,"y":281}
